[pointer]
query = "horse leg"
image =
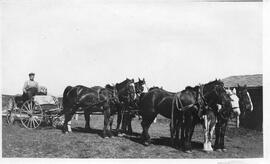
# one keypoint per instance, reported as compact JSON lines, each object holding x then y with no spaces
{"x":125,"y":121}
{"x":206,"y":130}
{"x":188,"y":127}
{"x":218,"y":133}
{"x":146,"y":123}
{"x":87,"y":120}
{"x":67,"y":122}
{"x":211,"y":134}
{"x":129,"y":124}
{"x":110,"y":123}
{"x":177,"y":130}
{"x":106,"y":122}
{"x":237,"y":121}
{"x":119,"y":119}
{"x":182,"y":139}
{"x":173,"y":127}
{"x":223,"y":130}
{"x":212,"y":124}
{"x":172,"y":131}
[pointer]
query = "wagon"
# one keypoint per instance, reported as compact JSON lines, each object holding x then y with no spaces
{"x":32,"y":113}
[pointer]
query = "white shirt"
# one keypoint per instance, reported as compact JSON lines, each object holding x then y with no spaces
{"x":30,"y":84}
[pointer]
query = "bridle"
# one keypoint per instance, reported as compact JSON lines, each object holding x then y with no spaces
{"x":209,"y":92}
{"x":139,"y":88}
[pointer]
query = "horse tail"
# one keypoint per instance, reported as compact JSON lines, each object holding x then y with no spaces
{"x":65,"y":100}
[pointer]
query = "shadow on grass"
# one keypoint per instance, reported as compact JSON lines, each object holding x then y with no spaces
{"x":95,"y":131}
{"x":91,"y":131}
{"x":166,"y":141}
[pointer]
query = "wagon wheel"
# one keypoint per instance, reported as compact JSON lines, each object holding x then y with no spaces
{"x":31,"y":114}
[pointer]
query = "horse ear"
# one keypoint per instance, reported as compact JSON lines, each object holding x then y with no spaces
{"x":245,"y":86}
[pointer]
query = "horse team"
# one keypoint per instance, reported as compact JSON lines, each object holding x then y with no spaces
{"x":208,"y":104}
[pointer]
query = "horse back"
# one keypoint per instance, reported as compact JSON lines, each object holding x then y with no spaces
{"x":156,"y":101}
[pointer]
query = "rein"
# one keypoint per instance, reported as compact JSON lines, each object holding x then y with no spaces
{"x":221,"y":113}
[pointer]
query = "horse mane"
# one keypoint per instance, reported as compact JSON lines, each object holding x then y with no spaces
{"x":215,"y":82}
{"x":108,"y":86}
{"x":124,"y":83}
{"x":192,"y":88}
{"x":154,"y":87}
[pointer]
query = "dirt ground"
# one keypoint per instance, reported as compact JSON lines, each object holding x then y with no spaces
{"x":52,"y":143}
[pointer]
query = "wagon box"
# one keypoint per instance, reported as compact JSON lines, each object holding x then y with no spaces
{"x":40,"y":108}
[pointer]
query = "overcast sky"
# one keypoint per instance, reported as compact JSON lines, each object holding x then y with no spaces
{"x":170,"y":44}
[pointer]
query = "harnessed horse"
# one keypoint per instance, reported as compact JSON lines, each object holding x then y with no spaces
{"x":223,"y":107}
{"x":89,"y":100}
{"x":162,"y":102}
{"x":126,"y":95}
{"x":133,"y":107}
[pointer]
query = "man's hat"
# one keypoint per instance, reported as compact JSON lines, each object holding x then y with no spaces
{"x":31,"y":73}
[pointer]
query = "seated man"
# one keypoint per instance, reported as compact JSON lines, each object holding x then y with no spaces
{"x":30,"y":87}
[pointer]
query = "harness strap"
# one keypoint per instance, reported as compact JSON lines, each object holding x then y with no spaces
{"x":178,"y":101}
{"x":182,"y":108}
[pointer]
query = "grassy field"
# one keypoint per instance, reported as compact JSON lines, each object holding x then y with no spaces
{"x":52,"y":143}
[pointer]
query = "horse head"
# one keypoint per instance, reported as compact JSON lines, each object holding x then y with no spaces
{"x":113,"y":93}
{"x":217,"y":98}
{"x":126,"y":90}
{"x":245,"y":102}
{"x":139,"y":86}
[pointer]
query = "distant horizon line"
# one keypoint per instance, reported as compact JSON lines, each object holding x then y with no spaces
{"x":58,"y":95}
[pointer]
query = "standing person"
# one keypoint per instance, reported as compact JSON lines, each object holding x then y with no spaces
{"x":30,"y":87}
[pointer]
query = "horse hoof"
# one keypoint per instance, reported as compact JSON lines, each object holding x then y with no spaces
{"x":106,"y":137}
{"x":224,"y":150}
{"x":87,"y":129}
{"x":188,"y":151}
{"x":121,"y":134}
{"x":218,"y":150}
{"x":146,"y":143}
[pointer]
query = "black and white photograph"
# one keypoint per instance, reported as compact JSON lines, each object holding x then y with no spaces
{"x":104,"y":79}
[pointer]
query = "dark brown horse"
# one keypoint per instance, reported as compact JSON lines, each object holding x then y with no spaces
{"x":217,"y":98}
{"x":126,"y":95}
{"x":96,"y":99}
{"x":245,"y":102}
{"x":219,"y":108}
{"x":187,"y":104}
{"x":133,"y":107}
